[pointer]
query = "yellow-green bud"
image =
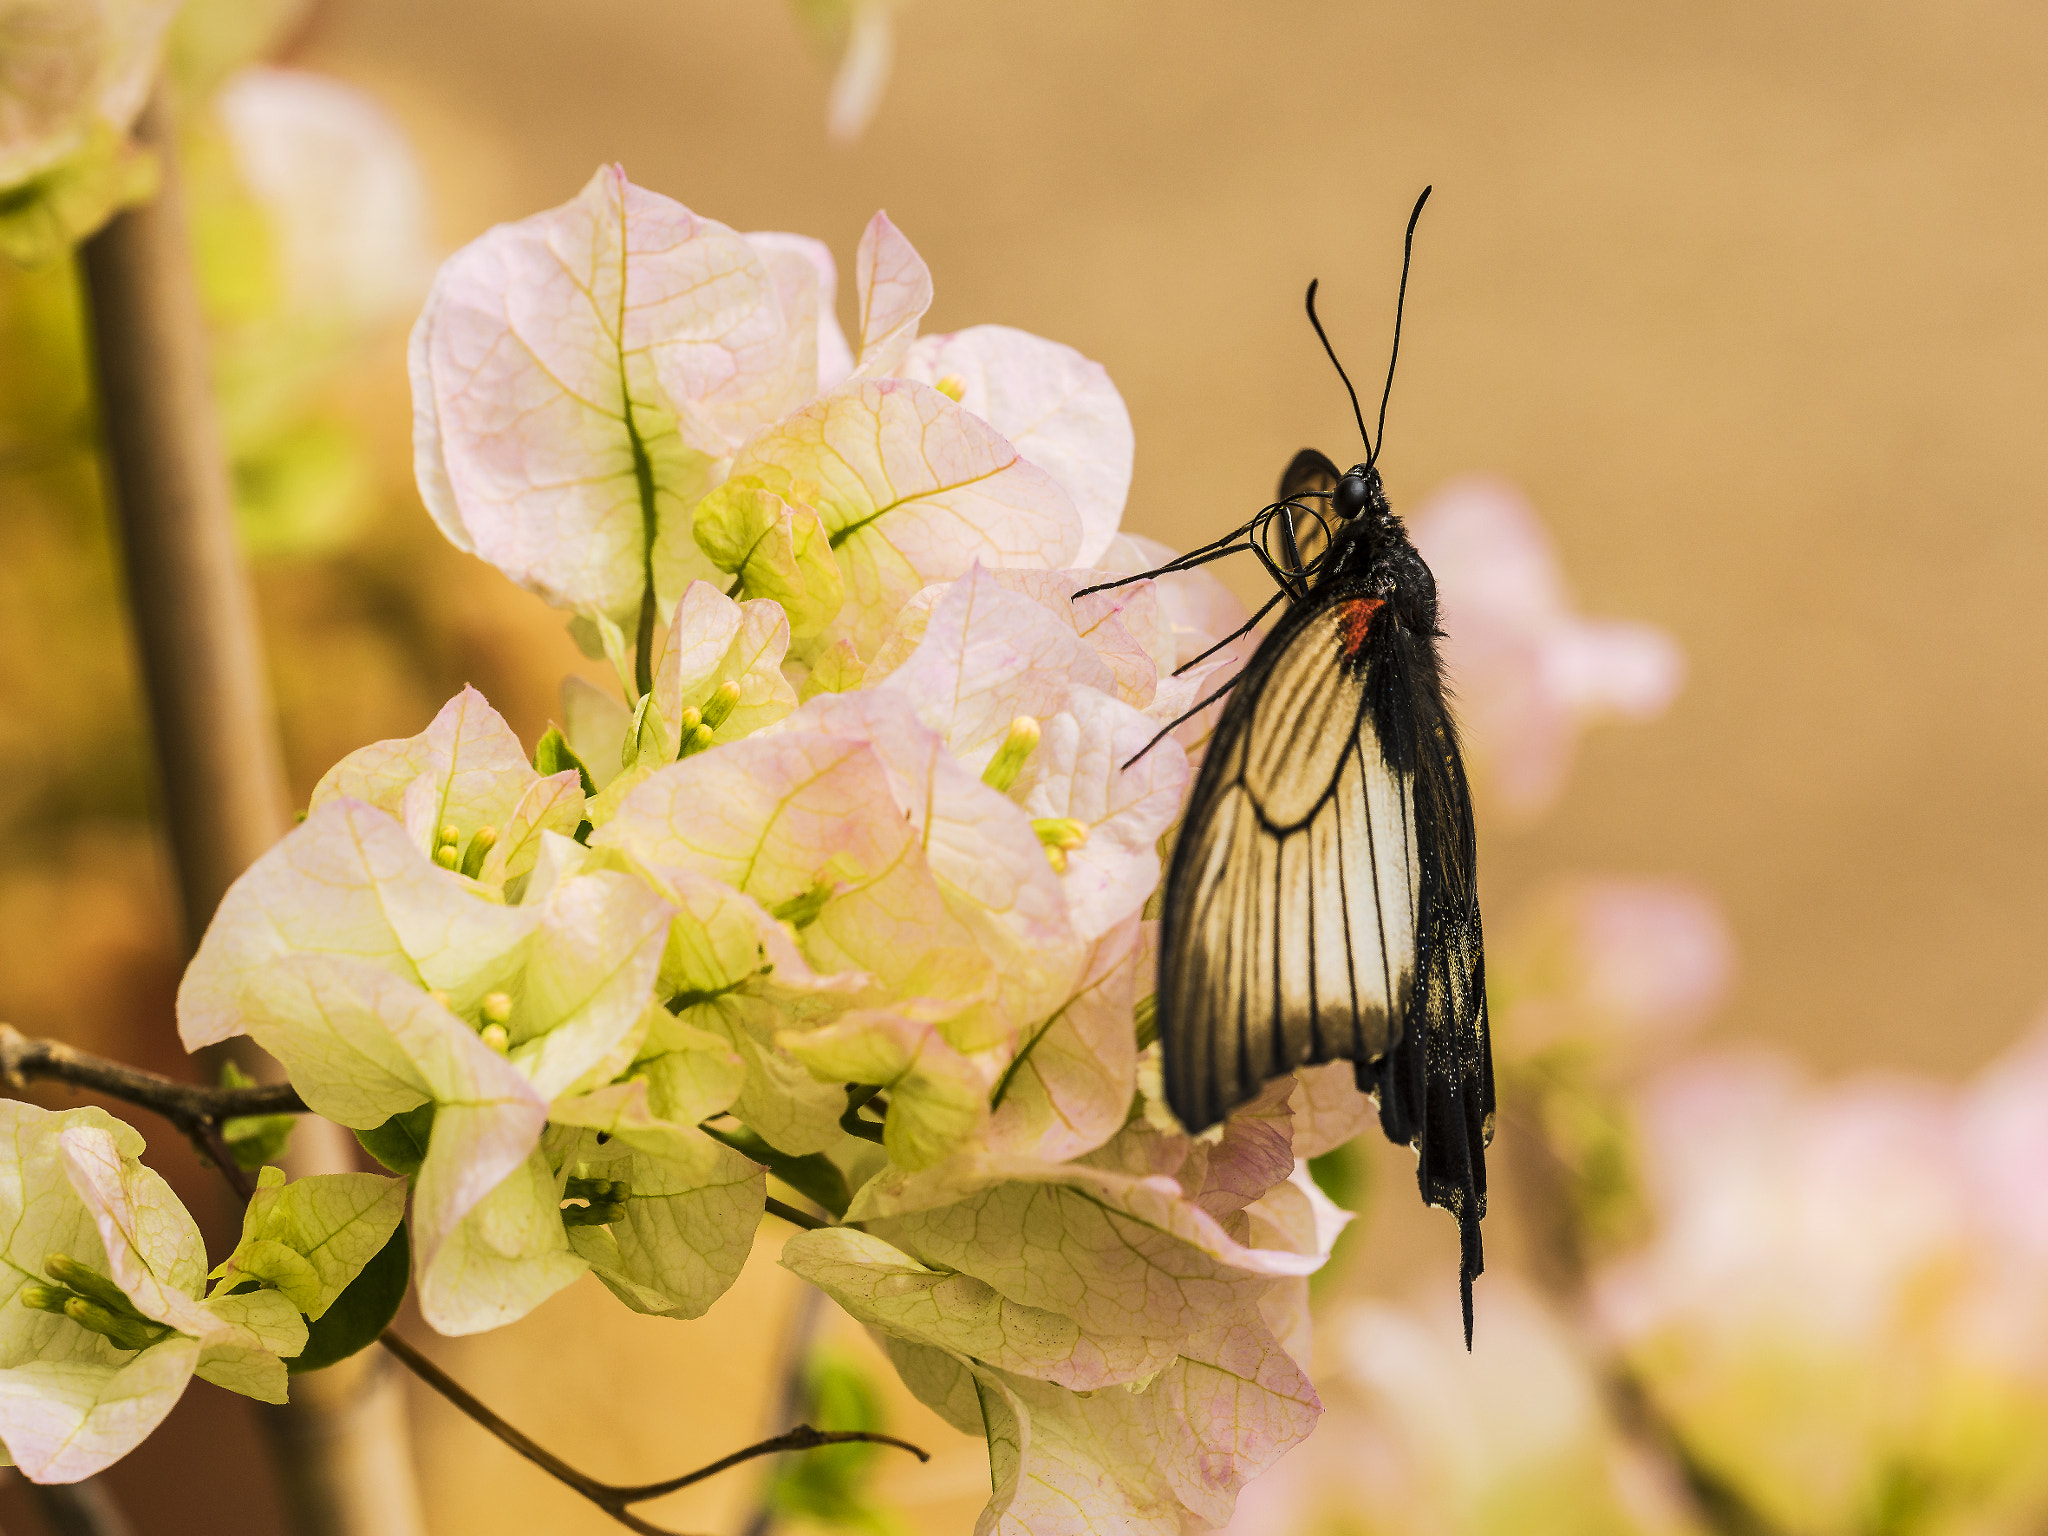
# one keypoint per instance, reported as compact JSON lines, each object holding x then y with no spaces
{"x":88,"y":1282}
{"x":722,"y":703}
{"x":440,"y":997}
{"x":480,"y":844}
{"x":952,"y":386}
{"x":450,"y":834}
{"x":497,"y":1008}
{"x":446,"y":856}
{"x":495,"y":1037}
{"x":1058,"y":834}
{"x":126,"y":1332}
{"x":698,"y":740}
{"x":1019,"y":742}
{"x":44,"y":1298}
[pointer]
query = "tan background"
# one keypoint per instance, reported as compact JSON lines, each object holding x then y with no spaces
{"x":1747,"y":297}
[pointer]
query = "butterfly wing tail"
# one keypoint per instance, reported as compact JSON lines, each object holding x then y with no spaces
{"x":1435,"y":1087}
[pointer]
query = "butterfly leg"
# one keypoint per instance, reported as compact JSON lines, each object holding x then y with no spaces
{"x":1176,"y":723}
{"x":1185,"y":562}
{"x":1236,"y":634}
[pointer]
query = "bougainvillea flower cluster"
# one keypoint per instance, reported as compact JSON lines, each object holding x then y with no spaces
{"x":846,"y":886}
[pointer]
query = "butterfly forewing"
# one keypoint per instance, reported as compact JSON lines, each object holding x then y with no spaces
{"x":1291,"y":908}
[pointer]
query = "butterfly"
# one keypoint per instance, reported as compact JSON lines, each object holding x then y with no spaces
{"x":1322,"y":901}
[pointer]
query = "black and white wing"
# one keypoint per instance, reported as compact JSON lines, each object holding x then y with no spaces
{"x":1292,"y":905}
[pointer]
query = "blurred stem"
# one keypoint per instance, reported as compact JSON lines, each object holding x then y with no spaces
{"x":792,"y":1391}
{"x":340,"y":1447}
{"x":1543,"y":1181}
{"x":86,"y":1508}
{"x":222,"y":780}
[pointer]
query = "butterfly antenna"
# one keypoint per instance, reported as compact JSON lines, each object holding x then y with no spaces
{"x":1325,"y":340}
{"x":1400,"y":303}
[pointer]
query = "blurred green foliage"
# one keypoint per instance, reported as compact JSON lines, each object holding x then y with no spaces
{"x":831,"y":1486}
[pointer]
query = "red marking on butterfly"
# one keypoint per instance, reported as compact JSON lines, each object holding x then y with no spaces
{"x":1354,"y":619}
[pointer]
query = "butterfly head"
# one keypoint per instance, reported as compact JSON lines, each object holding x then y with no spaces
{"x":1359,"y":492}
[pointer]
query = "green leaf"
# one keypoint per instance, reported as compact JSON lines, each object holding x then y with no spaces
{"x":364,"y":1309}
{"x":552,"y":754}
{"x":253,"y":1140}
{"x":815,"y":1176}
{"x":1345,"y":1176}
{"x":283,"y":1268}
{"x":831,"y":1485}
{"x":1342,"y":1174}
{"x":400,"y":1143}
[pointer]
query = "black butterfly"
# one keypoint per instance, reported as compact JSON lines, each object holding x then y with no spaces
{"x":1322,"y":900}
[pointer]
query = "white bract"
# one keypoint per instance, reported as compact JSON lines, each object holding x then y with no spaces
{"x":80,"y":1389}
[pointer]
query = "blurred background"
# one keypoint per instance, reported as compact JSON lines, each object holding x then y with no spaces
{"x":1727,"y":321}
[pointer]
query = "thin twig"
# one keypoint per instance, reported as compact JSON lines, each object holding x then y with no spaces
{"x":24,"y":1058}
{"x":615,"y":1499}
{"x":795,"y":1217}
{"x":196,"y":1111}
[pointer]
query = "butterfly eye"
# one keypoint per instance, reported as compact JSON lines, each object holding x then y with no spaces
{"x":1351,"y":497}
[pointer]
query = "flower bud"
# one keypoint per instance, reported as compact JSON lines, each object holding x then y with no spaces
{"x":1058,"y":834}
{"x":484,"y":840}
{"x":1019,"y":742}
{"x":44,"y":1298}
{"x":722,"y":703}
{"x":952,"y":386}
{"x":450,"y":835}
{"x":497,"y":1008}
{"x":696,"y":741}
{"x":446,"y":856}
{"x":88,"y":1282}
{"x":126,"y":1332}
{"x":495,"y":1037}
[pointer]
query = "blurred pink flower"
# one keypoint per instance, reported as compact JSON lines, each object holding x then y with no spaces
{"x":1428,"y":1440}
{"x":346,"y":199}
{"x":1615,"y":963}
{"x":1849,"y":1284}
{"x":1528,"y":672}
